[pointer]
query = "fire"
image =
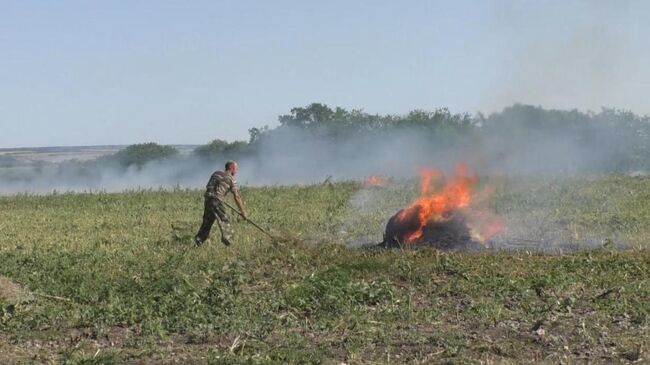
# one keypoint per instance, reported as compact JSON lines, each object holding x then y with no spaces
{"x":455,"y":195}
{"x":374,"y":181}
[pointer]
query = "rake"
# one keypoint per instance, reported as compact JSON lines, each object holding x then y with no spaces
{"x":251,"y":222}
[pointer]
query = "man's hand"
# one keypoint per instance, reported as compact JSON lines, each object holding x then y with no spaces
{"x":244,"y":215}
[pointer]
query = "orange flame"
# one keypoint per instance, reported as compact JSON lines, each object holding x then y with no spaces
{"x":374,"y":181}
{"x":455,"y":195}
{"x":428,"y":176}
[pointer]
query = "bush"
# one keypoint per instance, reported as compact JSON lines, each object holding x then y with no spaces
{"x":219,"y":148}
{"x":140,"y":154}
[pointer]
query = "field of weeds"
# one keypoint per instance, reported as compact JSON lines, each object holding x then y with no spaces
{"x":113,"y":278}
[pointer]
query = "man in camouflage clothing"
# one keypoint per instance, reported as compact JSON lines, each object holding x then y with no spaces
{"x":220,"y":184}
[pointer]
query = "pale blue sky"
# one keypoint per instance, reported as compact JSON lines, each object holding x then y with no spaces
{"x":187,"y":72}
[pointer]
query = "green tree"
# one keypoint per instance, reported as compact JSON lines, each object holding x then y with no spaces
{"x":140,"y":154}
{"x":256,"y":134}
{"x":314,"y":114}
{"x":219,"y":148}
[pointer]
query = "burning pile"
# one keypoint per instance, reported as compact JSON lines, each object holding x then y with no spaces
{"x":446,"y":219}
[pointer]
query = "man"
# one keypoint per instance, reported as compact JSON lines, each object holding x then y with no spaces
{"x":220,"y":184}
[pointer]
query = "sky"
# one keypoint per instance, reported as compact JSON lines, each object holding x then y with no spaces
{"x":187,"y":72}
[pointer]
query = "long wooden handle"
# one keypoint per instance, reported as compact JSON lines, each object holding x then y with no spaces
{"x":247,"y":219}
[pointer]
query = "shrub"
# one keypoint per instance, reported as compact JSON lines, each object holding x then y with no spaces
{"x":140,"y":154}
{"x":220,"y":148}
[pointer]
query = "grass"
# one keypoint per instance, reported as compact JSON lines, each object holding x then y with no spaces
{"x":112,"y":278}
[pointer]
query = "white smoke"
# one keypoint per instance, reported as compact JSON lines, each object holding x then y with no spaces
{"x":521,"y":140}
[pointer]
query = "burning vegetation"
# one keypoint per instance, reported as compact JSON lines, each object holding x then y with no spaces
{"x":447,"y":215}
{"x":374,"y":181}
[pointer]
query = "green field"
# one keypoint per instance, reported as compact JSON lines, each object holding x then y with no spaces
{"x":112,"y":278}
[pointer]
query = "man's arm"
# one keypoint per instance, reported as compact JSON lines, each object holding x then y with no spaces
{"x":240,"y":205}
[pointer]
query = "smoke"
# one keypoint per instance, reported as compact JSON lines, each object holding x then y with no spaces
{"x":584,"y":54}
{"x":300,"y":156}
{"x":520,"y":140}
{"x":87,"y":176}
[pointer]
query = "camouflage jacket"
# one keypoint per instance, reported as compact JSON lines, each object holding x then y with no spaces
{"x":220,"y":184}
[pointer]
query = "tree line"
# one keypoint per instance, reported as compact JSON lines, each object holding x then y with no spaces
{"x":620,"y":139}
{"x":611,"y":139}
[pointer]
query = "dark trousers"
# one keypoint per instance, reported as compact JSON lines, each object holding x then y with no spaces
{"x":214,"y":210}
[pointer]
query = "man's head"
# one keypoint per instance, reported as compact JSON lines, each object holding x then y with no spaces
{"x":231,"y":167}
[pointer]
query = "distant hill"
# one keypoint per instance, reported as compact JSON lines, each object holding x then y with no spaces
{"x":63,"y":153}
